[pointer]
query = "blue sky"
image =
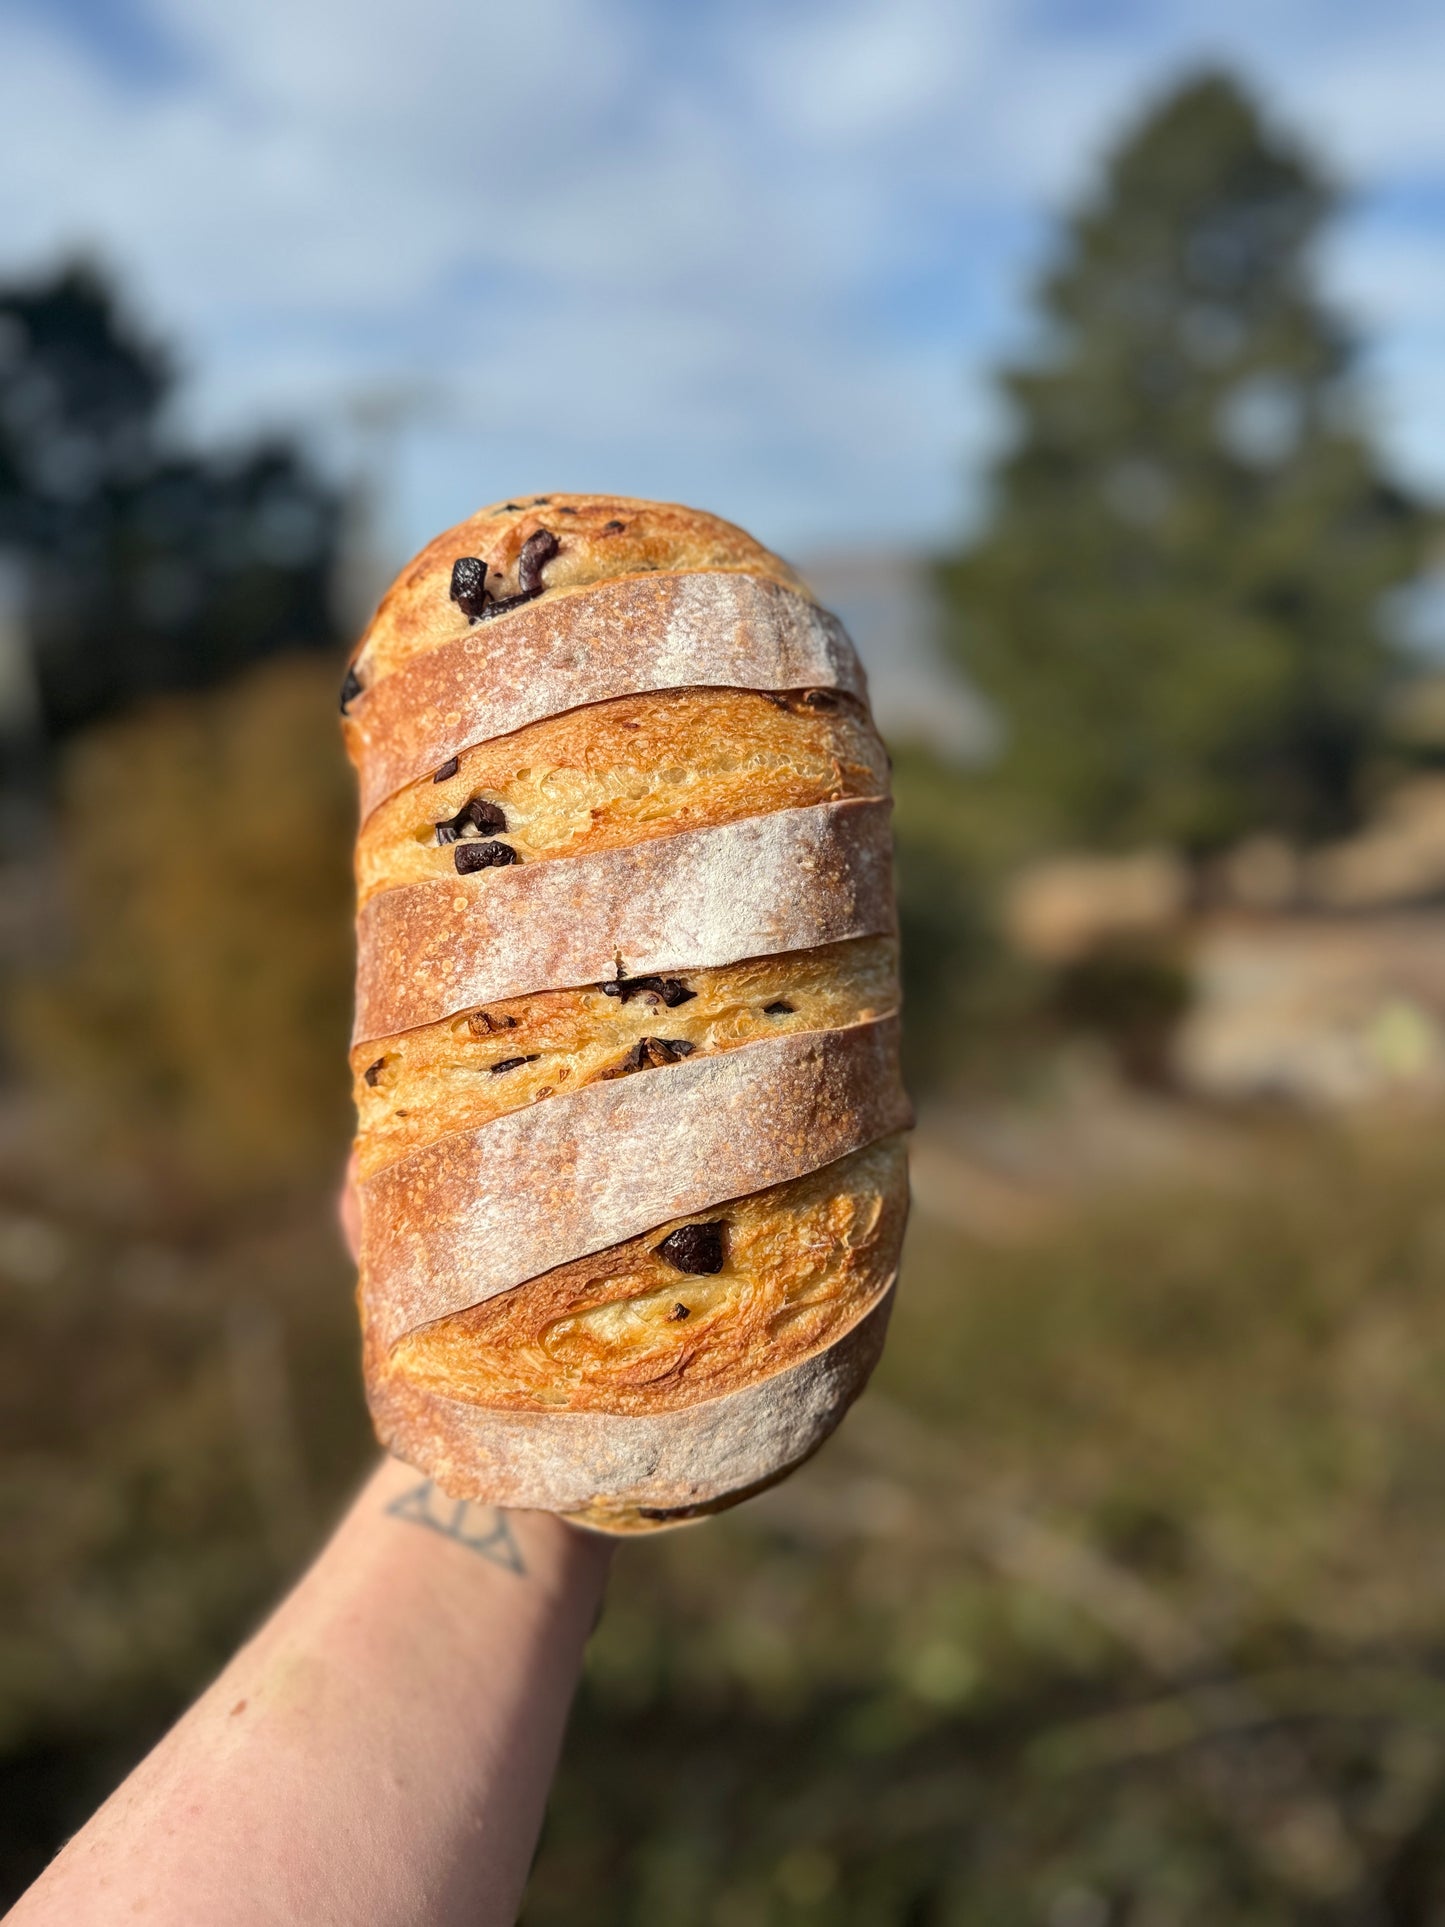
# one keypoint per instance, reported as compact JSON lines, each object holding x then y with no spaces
{"x":756,"y":256}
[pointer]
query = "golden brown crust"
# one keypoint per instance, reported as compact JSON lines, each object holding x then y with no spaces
{"x":622,"y":1519}
{"x":612,"y":1471}
{"x":625,"y":1331}
{"x":653,"y":536}
{"x":786,"y":881}
{"x":418,"y":1086}
{"x":623,"y":771}
{"x":655,"y":763}
{"x":565,"y":652}
{"x":482,"y":1211}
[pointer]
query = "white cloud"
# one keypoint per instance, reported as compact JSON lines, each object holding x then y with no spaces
{"x":1372,"y":91}
{"x":667,"y":247}
{"x":850,"y":75}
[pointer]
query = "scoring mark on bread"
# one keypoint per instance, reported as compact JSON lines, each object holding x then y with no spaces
{"x":604,"y":1333}
{"x":595,"y":1034}
{"x":631,"y":770}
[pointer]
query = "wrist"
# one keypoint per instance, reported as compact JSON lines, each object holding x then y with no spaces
{"x":457,"y":1542}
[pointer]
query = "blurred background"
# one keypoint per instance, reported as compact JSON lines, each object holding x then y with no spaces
{"x":1089,"y":356}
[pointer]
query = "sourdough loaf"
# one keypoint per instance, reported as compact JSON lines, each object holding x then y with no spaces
{"x":630,"y":1158}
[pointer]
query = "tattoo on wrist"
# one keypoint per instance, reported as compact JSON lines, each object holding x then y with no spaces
{"x":480,"y":1528}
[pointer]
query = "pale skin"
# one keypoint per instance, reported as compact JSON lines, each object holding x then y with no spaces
{"x":379,"y":1753}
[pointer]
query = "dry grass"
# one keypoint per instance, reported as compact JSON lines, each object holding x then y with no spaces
{"x":1117,"y":1603}
{"x":1119,"y":1599}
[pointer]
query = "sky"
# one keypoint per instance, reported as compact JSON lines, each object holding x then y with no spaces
{"x":760,"y":256}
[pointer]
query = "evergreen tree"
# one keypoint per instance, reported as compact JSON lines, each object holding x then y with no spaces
{"x":1176,"y":605}
{"x":146,"y":567}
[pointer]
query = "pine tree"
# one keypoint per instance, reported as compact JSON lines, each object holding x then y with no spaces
{"x":146,"y":567}
{"x":1176,"y":604}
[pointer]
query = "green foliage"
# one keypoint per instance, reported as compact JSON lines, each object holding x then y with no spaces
{"x":967,"y":1001}
{"x":1175,"y":605}
{"x":948,"y":950}
{"x":194,"y":1019}
{"x":146,"y":567}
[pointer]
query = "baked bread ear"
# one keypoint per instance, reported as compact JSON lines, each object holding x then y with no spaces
{"x":630,"y":1157}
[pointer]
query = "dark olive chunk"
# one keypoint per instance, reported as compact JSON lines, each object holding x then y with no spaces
{"x":482,"y":856}
{"x":537,"y":551}
{"x":695,"y":1248}
{"x":469,"y":585}
{"x":485,"y":818}
{"x":507,"y":603}
{"x":666,"y":990}
{"x":651,"y":1053}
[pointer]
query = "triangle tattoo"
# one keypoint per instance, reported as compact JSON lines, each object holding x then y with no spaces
{"x":482,"y":1529}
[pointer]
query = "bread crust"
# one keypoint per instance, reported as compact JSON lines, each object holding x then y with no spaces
{"x":620,"y":772}
{"x":625,"y":1331}
{"x":786,"y":881}
{"x":459,"y":1073}
{"x":568,"y":650}
{"x":610,"y":1467}
{"x":631,"y":1174}
{"x":482,"y":1211}
{"x":603,"y":537}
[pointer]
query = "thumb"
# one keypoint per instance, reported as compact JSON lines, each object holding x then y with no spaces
{"x":348,"y":1209}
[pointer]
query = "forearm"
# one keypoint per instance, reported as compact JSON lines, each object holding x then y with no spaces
{"x":379,"y":1753}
